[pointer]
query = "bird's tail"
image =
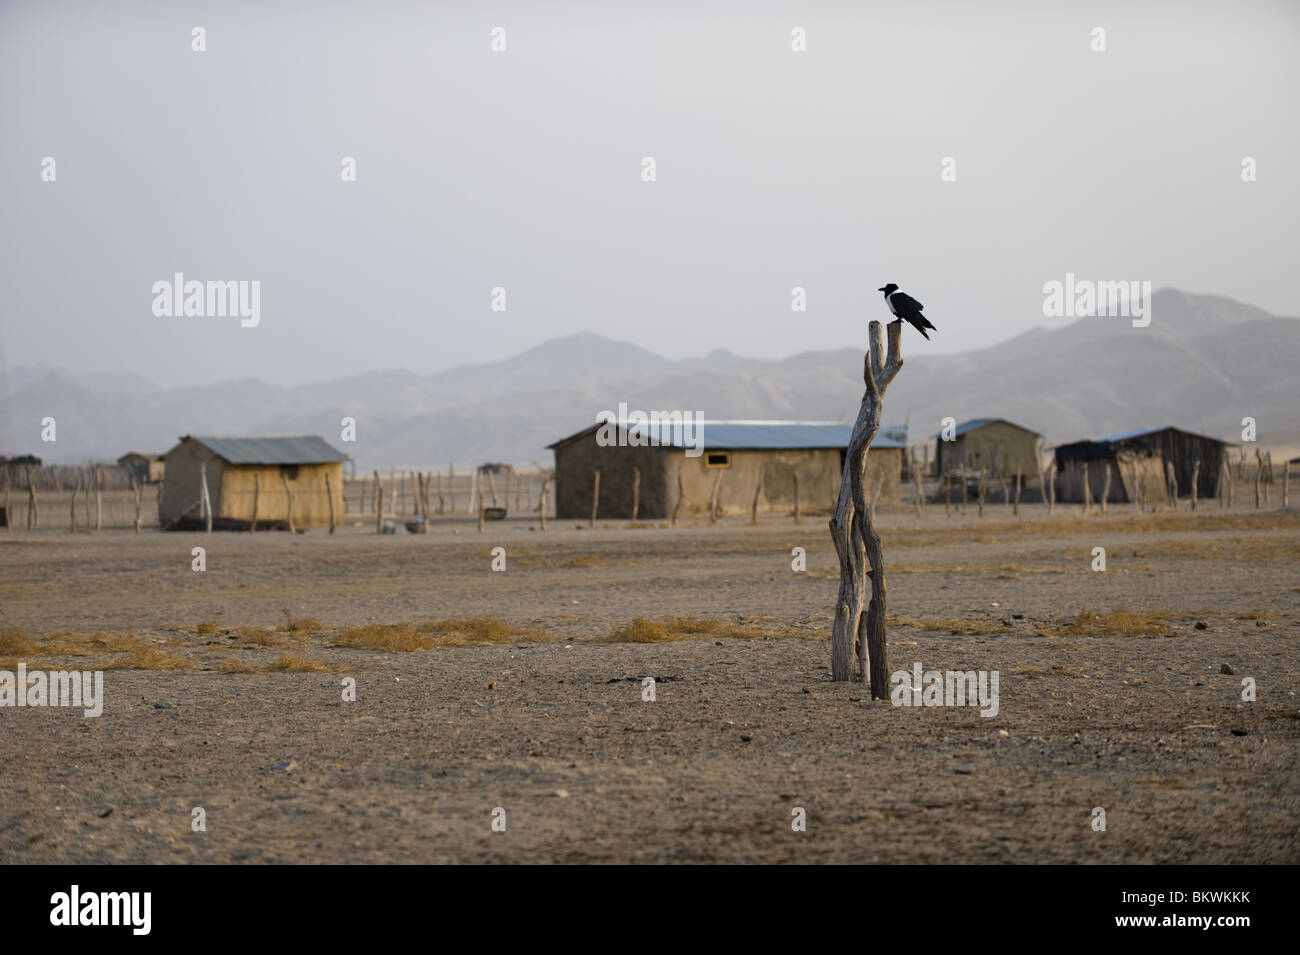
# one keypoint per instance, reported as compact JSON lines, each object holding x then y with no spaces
{"x":922,"y":330}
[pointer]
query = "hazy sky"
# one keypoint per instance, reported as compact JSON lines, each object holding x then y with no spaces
{"x":522,"y":169}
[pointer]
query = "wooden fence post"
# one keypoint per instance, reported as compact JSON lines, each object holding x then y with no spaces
{"x":1286,"y":486}
{"x":451,"y":486}
{"x":1105,"y":488}
{"x":1259,"y":479}
{"x":713,"y":497}
{"x":947,"y":492}
{"x":916,"y":485}
{"x":329,"y":494}
{"x":681,"y":494}
{"x":441,"y":510}
{"x":795,"y":475}
{"x":72,"y":515}
{"x":1015,"y":508}
{"x":595,"y":497}
{"x":979,"y":491}
{"x":1196,"y":477}
{"x":379,"y":504}
{"x":288,"y":493}
{"x":541,"y":501}
{"x":9,"y":514}
{"x":1051,"y":488}
{"x":758,"y":490}
{"x":33,"y":509}
{"x":257,"y":493}
{"x":99,"y":499}
{"x":138,"y":490}
{"x":636,"y":493}
{"x":206,"y":500}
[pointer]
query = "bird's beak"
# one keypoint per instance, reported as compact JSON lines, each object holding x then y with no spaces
{"x":880,"y":290}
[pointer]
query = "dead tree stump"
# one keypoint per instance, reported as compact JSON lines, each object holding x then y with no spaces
{"x":856,"y":542}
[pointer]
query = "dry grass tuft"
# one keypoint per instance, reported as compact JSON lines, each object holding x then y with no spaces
{"x":239,"y":666}
{"x":480,"y":631}
{"x":257,"y":636}
{"x":389,"y":637}
{"x":1118,"y":623}
{"x":296,"y":663}
{"x":952,"y":625}
{"x":641,"y":630}
{"x":208,"y":626}
{"x":585,"y":560}
{"x":304,"y":625}
{"x":149,"y":658}
{"x":13,"y":640}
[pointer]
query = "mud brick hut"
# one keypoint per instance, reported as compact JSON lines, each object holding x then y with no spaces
{"x":145,"y":467}
{"x":742,"y":451}
{"x":1141,"y":452}
{"x":992,"y":445}
{"x":250,"y":473}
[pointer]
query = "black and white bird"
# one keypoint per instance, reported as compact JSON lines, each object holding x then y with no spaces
{"x":904,"y":308}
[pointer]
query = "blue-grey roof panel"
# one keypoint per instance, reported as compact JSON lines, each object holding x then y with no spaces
{"x":1144,"y":432}
{"x":768,"y":436}
{"x":271,"y":449}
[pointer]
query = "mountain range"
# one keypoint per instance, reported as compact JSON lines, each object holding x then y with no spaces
{"x":1203,"y":364}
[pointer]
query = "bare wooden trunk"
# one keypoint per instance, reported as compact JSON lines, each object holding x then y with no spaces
{"x":979,"y":491}
{"x":482,"y":512}
{"x":947,"y":492}
{"x":796,"y":496}
{"x":138,"y":492}
{"x":1051,"y":488}
{"x":595,"y":497}
{"x":441,"y":500}
{"x":33,"y":510}
{"x":1196,"y":476}
{"x":713,"y":497}
{"x":1015,"y":510}
{"x":99,"y":499}
{"x":681,"y":496}
{"x":451,"y":487}
{"x":758,"y":490}
{"x":1087,"y":489}
{"x":1259,"y":482}
{"x":379,"y":504}
{"x":9,"y":514}
{"x":916,"y":484}
{"x":1286,"y":487}
{"x":856,"y":542}
{"x":72,"y":510}
{"x":636,"y":493}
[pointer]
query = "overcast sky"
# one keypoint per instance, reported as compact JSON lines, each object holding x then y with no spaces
{"x":523,"y":169}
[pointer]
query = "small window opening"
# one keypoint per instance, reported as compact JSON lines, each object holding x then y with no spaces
{"x":717,"y":459}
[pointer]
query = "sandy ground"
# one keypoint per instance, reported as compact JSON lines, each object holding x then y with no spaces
{"x":551,"y":726}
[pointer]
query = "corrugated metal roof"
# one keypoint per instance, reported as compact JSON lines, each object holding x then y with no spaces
{"x":269,"y":449}
{"x":1145,"y":432}
{"x":754,"y":435}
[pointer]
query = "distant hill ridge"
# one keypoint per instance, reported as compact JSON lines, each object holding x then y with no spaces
{"x":1204,"y":363}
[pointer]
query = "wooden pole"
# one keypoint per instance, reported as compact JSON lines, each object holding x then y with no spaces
{"x":916,"y":485}
{"x":758,"y":490}
{"x":979,"y":491}
{"x":288,"y":494}
{"x":72,"y":515}
{"x":207,"y":501}
{"x":1105,"y":488}
{"x":1286,"y":486}
{"x":595,"y":497}
{"x":856,"y":542}
{"x":1015,"y":509}
{"x":451,"y":486}
{"x":681,"y":494}
{"x":138,"y":491}
{"x":379,"y":504}
{"x":795,"y":475}
{"x":329,"y":494}
{"x":1196,"y":477}
{"x":541,"y":501}
{"x":257,"y":493}
{"x":99,"y":499}
{"x":636,"y":493}
{"x":9,"y":514}
{"x":713,"y":497}
{"x":1259,"y":479}
{"x":1051,"y":488}
{"x":482,"y":511}
{"x":33,"y":510}
{"x":441,"y":510}
{"x":1268,"y":474}
{"x":947,"y":492}
{"x":1087,"y":489}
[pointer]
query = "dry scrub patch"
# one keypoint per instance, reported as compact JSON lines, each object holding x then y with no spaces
{"x":389,"y":637}
{"x":641,"y":630}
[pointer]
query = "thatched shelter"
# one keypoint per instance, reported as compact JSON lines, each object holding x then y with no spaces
{"x":742,"y":451}
{"x":247,"y":477}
